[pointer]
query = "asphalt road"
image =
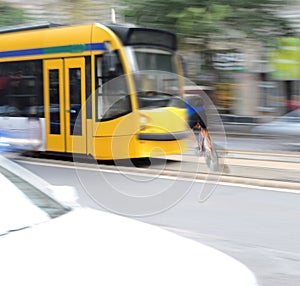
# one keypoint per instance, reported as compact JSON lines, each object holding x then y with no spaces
{"x":258,"y":226}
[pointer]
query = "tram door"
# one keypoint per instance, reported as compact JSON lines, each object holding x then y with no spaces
{"x":65,"y":113}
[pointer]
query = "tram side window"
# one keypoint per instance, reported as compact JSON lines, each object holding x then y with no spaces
{"x":21,"y":89}
{"x":112,"y":96}
{"x":75,"y":101}
{"x":88,"y":87}
{"x":54,"y":107}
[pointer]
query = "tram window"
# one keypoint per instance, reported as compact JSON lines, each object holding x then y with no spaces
{"x":88,"y":87}
{"x":54,"y":107}
{"x":75,"y":101}
{"x":112,"y":94}
{"x":21,"y":90}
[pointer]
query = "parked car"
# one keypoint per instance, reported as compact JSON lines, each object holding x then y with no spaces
{"x":47,"y":242}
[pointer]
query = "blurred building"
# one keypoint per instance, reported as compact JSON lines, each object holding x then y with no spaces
{"x":248,"y":81}
{"x":292,"y":14}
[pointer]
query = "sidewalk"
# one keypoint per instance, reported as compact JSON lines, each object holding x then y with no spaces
{"x":241,"y":125}
{"x":270,"y":126}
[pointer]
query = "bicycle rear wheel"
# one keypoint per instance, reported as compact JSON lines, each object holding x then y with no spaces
{"x":211,"y":156}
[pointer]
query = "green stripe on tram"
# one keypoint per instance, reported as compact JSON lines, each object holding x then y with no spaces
{"x":79,"y":48}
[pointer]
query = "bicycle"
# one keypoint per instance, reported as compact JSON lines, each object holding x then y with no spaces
{"x":206,"y":148}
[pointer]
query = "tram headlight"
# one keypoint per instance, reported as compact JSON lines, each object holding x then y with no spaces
{"x":143,"y":121}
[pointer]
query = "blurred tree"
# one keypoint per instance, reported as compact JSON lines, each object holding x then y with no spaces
{"x":207,"y":20}
{"x":11,"y":15}
{"x":74,"y":9}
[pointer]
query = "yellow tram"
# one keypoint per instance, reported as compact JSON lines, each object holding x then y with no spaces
{"x":111,"y":91}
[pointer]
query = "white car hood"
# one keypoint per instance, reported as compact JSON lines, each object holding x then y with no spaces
{"x":88,"y":247}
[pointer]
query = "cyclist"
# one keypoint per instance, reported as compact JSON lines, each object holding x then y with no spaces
{"x":197,"y":121}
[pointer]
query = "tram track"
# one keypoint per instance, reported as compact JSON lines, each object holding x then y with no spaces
{"x":264,"y":169}
{"x":263,"y":155}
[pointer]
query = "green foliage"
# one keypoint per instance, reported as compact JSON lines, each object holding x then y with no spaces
{"x":10,"y":15}
{"x":207,"y":20}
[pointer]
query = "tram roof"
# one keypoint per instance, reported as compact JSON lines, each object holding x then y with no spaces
{"x":128,"y":34}
{"x":28,"y":27}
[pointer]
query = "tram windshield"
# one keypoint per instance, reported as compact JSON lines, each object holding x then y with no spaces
{"x":151,"y":59}
{"x":156,"y":79}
